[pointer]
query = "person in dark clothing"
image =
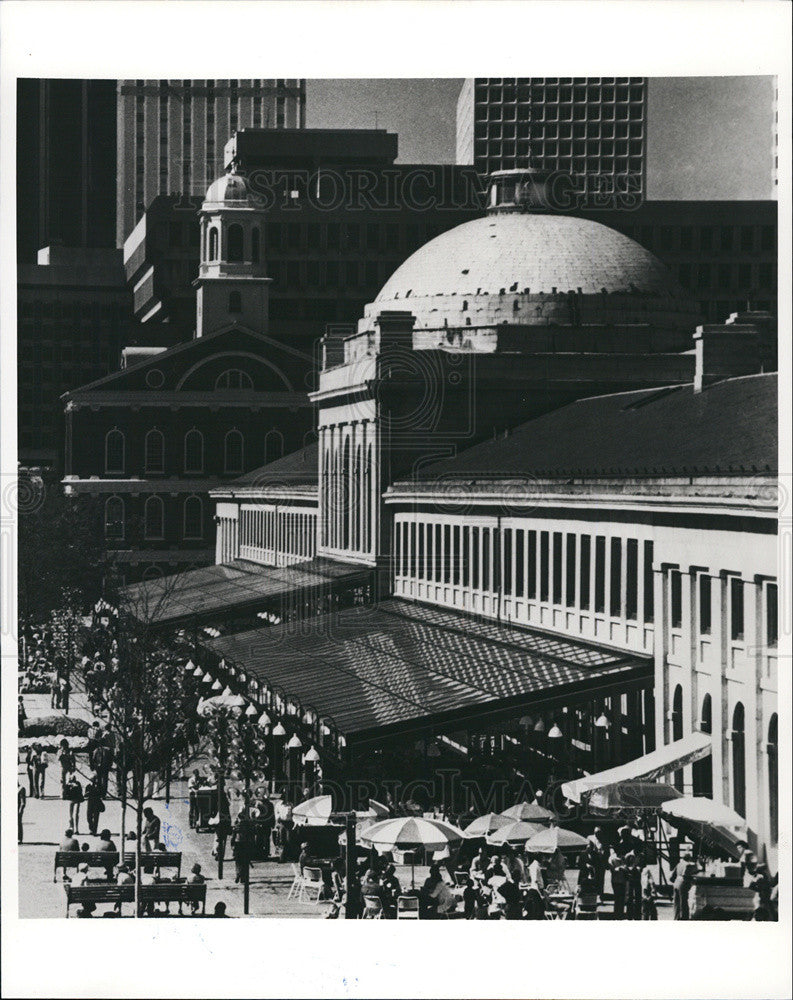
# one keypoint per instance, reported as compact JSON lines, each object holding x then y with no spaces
{"x":633,"y":897}
{"x":619,"y":882}
{"x":151,"y":830}
{"x":509,"y":892}
{"x":22,"y":799}
{"x":94,"y":806}
{"x":242,"y":847}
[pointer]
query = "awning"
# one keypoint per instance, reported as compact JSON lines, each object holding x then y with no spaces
{"x":220,"y":592}
{"x":653,"y":765}
{"x":399,"y":666}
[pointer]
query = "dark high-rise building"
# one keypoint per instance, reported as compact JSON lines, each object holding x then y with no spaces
{"x":171,"y":134}
{"x":66,"y":164}
{"x":592,"y":129}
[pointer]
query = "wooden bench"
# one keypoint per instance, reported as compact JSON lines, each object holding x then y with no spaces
{"x":165,"y":892}
{"x":175,"y":892}
{"x":109,"y":893}
{"x":149,"y":860}
{"x":94,"y":859}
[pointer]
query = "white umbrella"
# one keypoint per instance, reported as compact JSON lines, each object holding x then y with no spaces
{"x":410,"y":832}
{"x":315,"y":811}
{"x":532,"y":812}
{"x":555,"y":839}
{"x":483,"y":826}
{"x":376,"y":810}
{"x":515,"y":832}
{"x":229,"y":701}
{"x":712,"y":821}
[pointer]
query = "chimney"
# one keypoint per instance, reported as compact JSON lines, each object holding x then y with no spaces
{"x":395,"y":329}
{"x":725,"y":350}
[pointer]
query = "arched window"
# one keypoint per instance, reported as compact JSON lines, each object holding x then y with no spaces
{"x":213,"y":244}
{"x":738,"y":761}
{"x":152,"y":573}
{"x":154,"y":518}
{"x":273,"y":446}
{"x":194,"y":451}
{"x":193,"y":518}
{"x":114,"y":451}
{"x":773,"y":781}
{"x":234,"y":253}
{"x":114,"y":518}
{"x":677,"y":729}
{"x":154,"y":459}
{"x":360,"y":505}
{"x":255,"y":245}
{"x":235,"y":302}
{"x":702,"y":770}
{"x":233,"y":378}
{"x":233,"y":452}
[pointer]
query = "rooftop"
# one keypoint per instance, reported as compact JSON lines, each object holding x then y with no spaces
{"x":728,"y":428}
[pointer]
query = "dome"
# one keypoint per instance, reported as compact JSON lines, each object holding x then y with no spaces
{"x":229,"y":189}
{"x":521,"y":268}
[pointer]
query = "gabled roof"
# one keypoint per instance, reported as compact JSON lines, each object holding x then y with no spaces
{"x":300,"y":468}
{"x":729,"y":427}
{"x":266,"y":346}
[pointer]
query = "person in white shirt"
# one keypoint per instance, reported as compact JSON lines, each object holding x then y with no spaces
{"x":536,"y":879}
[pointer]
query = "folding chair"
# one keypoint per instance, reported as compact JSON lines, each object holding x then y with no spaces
{"x":297,"y":883}
{"x":408,"y":908}
{"x":312,"y":882}
{"x":373,"y":908}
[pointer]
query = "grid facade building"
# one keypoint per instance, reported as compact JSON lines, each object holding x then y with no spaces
{"x":171,"y":133}
{"x":592,"y":129}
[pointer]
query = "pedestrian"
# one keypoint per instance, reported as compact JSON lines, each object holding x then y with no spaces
{"x":682,"y":880}
{"x":619,"y":882}
{"x":22,"y":799}
{"x":64,"y":689}
{"x":241,"y":846}
{"x":195,"y":878}
{"x":94,"y":805}
{"x":633,"y":895}
{"x":151,"y":830}
{"x":102,"y":761}
{"x":66,"y":759}
{"x":74,"y":793}
{"x":55,"y":692}
{"x":31,"y":761}
{"x":21,"y":715}
{"x":42,"y":763}
{"x":193,"y":784}
{"x":649,"y":909}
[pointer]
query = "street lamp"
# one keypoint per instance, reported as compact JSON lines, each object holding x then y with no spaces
{"x":555,"y":733}
{"x":198,"y":672}
{"x":251,"y":711}
{"x":264,"y":720}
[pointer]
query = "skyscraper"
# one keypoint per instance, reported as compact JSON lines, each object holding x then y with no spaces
{"x":592,"y":129}
{"x":171,"y":133}
{"x":66,"y":164}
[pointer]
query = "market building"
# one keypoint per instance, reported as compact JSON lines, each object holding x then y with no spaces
{"x":543,"y":537}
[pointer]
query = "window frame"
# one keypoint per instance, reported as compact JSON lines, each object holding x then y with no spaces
{"x":147,"y":534}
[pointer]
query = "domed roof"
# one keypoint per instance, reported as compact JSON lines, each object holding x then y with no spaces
{"x":228,"y":189}
{"x":533,"y":253}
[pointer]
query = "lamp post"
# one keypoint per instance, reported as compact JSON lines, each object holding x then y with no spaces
{"x":278,"y":735}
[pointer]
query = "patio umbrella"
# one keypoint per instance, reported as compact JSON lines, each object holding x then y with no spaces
{"x":554,"y":839}
{"x":315,"y":811}
{"x":517,"y":831}
{"x":230,"y":701}
{"x":411,"y":832}
{"x":376,"y":810}
{"x":711,"y":821}
{"x":631,"y":796}
{"x":532,"y":812}
{"x":483,"y":826}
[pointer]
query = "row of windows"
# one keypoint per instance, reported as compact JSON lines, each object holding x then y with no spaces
{"x":330,"y":274}
{"x":350,"y":236}
{"x":723,"y":239}
{"x":154,"y":519}
{"x":556,"y":567}
{"x":728,"y":276}
{"x":736,"y":607}
{"x":234,"y":248}
{"x":193,"y":451}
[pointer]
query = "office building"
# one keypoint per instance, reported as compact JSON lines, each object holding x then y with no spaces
{"x":74,"y":317}
{"x":593,"y":130}
{"x":66,"y":164}
{"x":171,"y":134}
